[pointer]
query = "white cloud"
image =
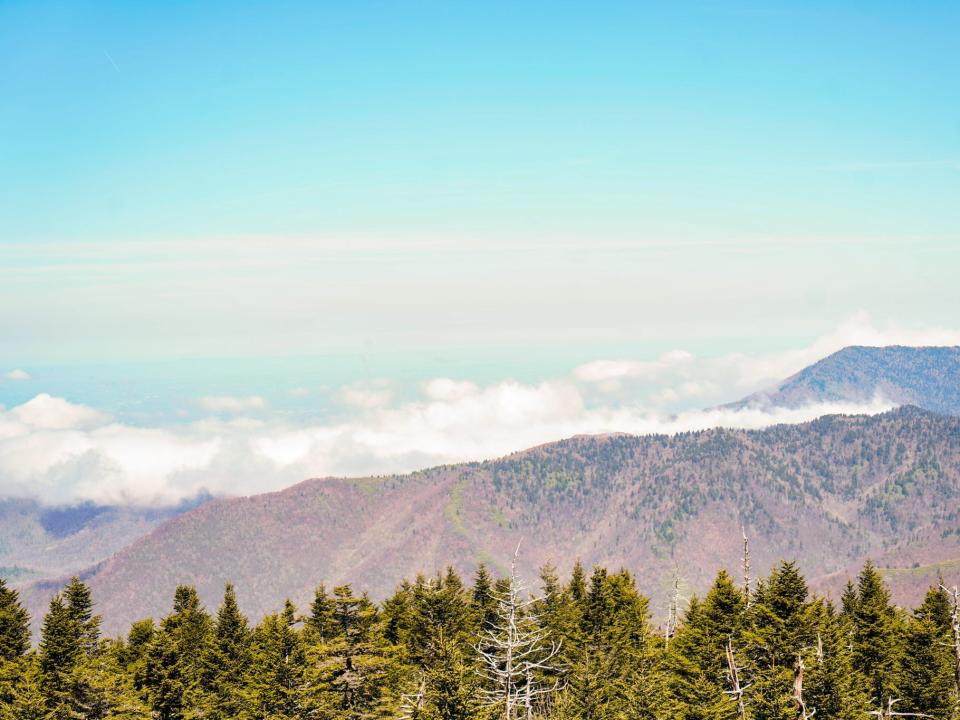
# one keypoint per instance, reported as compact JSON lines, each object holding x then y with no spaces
{"x":17,"y":374}
{"x":232,"y":404}
{"x":59,"y":451}
{"x":679,"y":377}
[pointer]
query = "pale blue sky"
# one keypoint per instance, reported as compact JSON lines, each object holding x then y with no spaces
{"x":275,"y":179}
{"x":246,"y":243}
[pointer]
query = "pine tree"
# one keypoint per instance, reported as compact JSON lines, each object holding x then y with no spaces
{"x":926,"y":683}
{"x":321,"y":621}
{"x":14,"y":624}
{"x":61,"y":653}
{"x":779,"y":629}
{"x":27,"y":700}
{"x":226,"y":662}
{"x":276,"y":684}
{"x":696,"y":659}
{"x":876,"y":636}
{"x":832,"y":687}
{"x":356,"y":675}
{"x":483,"y":604}
{"x":79,"y":601}
{"x":174,"y":661}
{"x":108,"y":691}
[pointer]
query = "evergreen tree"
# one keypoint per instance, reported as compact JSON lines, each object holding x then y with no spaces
{"x":779,"y":630}
{"x":79,"y":602}
{"x":876,"y":636}
{"x":61,"y":653}
{"x":174,"y":660}
{"x":832,"y":688}
{"x":226,"y":661}
{"x":696,"y":658}
{"x":483,"y":604}
{"x":357,"y":675}
{"x":27,"y":700}
{"x":321,"y":621}
{"x":926,"y":683}
{"x":14,"y":624}
{"x":276,"y":686}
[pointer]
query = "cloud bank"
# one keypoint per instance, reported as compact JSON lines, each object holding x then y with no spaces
{"x":62,"y":452}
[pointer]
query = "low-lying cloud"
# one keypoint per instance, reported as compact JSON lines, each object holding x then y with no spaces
{"x":60,"y":452}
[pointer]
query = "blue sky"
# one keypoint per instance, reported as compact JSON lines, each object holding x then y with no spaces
{"x":327,"y":206}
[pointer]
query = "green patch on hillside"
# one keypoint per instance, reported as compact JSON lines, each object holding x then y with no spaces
{"x":454,"y":508}
{"x":918,"y":570}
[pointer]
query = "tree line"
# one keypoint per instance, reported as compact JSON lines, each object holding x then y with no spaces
{"x":440,"y":649}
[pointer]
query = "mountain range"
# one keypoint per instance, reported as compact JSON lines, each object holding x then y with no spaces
{"x":829,"y":493}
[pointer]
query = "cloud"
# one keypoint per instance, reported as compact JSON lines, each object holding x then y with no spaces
{"x":59,"y":451}
{"x":231,"y":404}
{"x":17,"y":374}
{"x":681,"y":378}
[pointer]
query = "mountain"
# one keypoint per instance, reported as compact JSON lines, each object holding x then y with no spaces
{"x":829,"y":493}
{"x":39,"y":541}
{"x":928,"y":377}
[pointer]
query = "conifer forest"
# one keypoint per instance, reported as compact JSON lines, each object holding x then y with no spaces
{"x":442,"y":648}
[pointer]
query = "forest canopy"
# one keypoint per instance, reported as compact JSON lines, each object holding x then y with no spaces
{"x":441,"y":649}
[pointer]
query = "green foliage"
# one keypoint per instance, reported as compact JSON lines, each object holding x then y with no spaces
{"x":14,"y":624}
{"x":418,"y":655}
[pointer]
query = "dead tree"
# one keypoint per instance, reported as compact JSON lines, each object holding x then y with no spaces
{"x":746,"y":565}
{"x":736,"y":689}
{"x":955,"y":624}
{"x":411,"y":705}
{"x":514,"y":651}
{"x":888,"y":713}
{"x":673,"y":612}
{"x":798,"y":690}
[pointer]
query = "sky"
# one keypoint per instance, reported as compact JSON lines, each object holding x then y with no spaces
{"x":298,"y":232}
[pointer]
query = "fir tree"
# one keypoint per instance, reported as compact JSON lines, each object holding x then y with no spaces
{"x":14,"y":624}
{"x":276,"y":686}
{"x":226,"y":661}
{"x":61,"y":653}
{"x":876,"y":636}
{"x":79,"y":602}
{"x":174,"y":661}
{"x":696,"y":659}
{"x":28,"y":700}
{"x":926,"y":683}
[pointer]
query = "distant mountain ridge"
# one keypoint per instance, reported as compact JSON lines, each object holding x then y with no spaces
{"x":829,"y":493}
{"x":928,"y":377}
{"x":40,"y":541}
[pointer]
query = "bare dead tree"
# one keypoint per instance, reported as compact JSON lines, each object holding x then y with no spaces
{"x":888,"y":713}
{"x":955,"y":625}
{"x":746,"y":565}
{"x":514,"y":650}
{"x":411,"y":705}
{"x":798,"y":690}
{"x":673,"y":612}
{"x":736,"y":689}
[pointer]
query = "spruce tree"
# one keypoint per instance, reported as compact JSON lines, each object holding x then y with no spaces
{"x":877,"y":637}
{"x":226,"y":662}
{"x":28,"y":701}
{"x":61,"y":653}
{"x":276,"y":683}
{"x":14,"y":624}
{"x":926,"y":683}
{"x":79,"y":601}
{"x":174,"y":661}
{"x":696,"y":660}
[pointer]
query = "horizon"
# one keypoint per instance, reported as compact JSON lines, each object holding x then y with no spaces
{"x":243,"y":245}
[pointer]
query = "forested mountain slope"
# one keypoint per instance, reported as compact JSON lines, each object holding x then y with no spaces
{"x":928,"y":377}
{"x":828,"y":493}
{"x":39,"y":541}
